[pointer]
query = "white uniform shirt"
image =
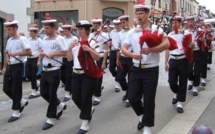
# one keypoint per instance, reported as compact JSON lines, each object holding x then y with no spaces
{"x":178,"y":38}
{"x":35,"y":44}
{"x":122,"y":36}
{"x":75,"y":51}
{"x":70,"y":40}
{"x":57,"y":44}
{"x":132,"y":39}
{"x":19,"y":44}
{"x":101,"y":38}
{"x":193,"y":37}
{"x":115,"y":37}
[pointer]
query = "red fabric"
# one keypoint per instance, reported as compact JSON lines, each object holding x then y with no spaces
{"x":173,"y":44}
{"x":208,"y":39}
{"x":154,"y":39}
{"x":151,"y":40}
{"x":200,"y":43}
{"x":87,"y":63}
{"x":188,"y":51}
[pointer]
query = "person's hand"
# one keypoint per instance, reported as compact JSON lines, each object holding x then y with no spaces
{"x":73,"y":44}
{"x":145,"y":51}
{"x":137,"y":56}
{"x":86,"y":48}
{"x":38,"y":63}
{"x":42,"y":54}
{"x":3,"y":71}
{"x":103,"y":67}
{"x":166,"y":67}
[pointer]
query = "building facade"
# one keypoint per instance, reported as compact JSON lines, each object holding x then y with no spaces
{"x":22,"y":11}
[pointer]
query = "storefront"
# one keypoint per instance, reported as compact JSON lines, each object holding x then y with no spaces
{"x":70,"y":11}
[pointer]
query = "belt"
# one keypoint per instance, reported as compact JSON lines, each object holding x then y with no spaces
{"x":177,"y":57}
{"x":9,"y":63}
{"x":33,"y":56}
{"x":143,"y":66}
{"x":50,"y":69}
{"x":78,"y":71}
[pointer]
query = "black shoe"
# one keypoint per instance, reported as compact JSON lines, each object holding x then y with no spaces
{"x":12,"y":119}
{"x":180,"y":110}
{"x":174,"y":101}
{"x":66,"y":99}
{"x":203,"y":84}
{"x":95,"y":102}
{"x":140,"y":125}
{"x":190,"y":87}
{"x":61,"y":112}
{"x":93,"y":110}
{"x":33,"y":96}
{"x":117,"y":90}
{"x":128,"y":104}
{"x":81,"y":131}
{"x":124,"y":98}
{"x":47,"y":126}
{"x":195,"y":93}
{"x":22,"y":108}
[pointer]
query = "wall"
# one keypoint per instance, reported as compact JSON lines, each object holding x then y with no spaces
{"x":19,"y":9}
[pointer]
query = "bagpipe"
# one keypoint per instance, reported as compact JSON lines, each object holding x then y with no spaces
{"x":153,"y":39}
{"x":86,"y":61}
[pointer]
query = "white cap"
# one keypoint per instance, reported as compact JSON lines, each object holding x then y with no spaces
{"x":116,"y":21}
{"x":123,"y":16}
{"x":66,"y":25}
{"x":10,"y":22}
{"x":190,"y":16}
{"x":141,"y":6}
{"x":34,"y":28}
{"x":49,"y":20}
{"x":96,"y":20}
{"x":111,"y":26}
{"x":83,"y":23}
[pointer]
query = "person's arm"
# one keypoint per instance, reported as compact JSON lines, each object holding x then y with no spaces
{"x":69,"y":52}
{"x":95,"y":55}
{"x":5,"y":64}
{"x":24,"y":53}
{"x":130,"y":54}
{"x":105,"y":56}
{"x":166,"y":60}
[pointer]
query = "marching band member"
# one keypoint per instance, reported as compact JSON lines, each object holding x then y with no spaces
{"x":114,"y":47}
{"x":124,"y":63}
{"x":53,"y":49}
{"x":195,"y":67}
{"x":31,"y":64}
{"x":210,"y":50}
{"x":177,"y":66}
{"x":17,"y":49}
{"x":84,"y":78}
{"x":207,"y":42}
{"x":102,"y":39}
{"x":144,"y":73}
{"x":66,"y":70}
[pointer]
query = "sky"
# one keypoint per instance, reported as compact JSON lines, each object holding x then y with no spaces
{"x":210,"y":4}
